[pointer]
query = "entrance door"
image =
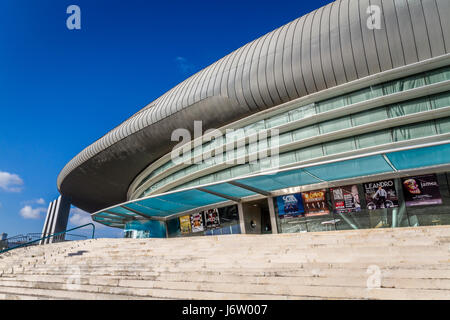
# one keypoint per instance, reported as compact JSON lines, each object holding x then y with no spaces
{"x":257,"y":217}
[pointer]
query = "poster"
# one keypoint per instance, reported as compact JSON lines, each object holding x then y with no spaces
{"x":212,"y":218}
{"x":315,"y":203}
{"x":421,"y":190}
{"x":185,"y":224}
{"x":290,"y":205}
{"x":380,"y":195}
{"x":346,"y":199}
{"x":197,"y":222}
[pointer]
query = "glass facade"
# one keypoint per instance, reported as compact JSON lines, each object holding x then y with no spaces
{"x":386,"y":115}
{"x":219,"y":221}
{"x":145,"y":229}
{"x":422,"y":200}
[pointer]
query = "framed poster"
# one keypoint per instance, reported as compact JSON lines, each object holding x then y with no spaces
{"x":346,"y":199}
{"x":290,"y":205}
{"x":380,"y":194}
{"x":197,"y":222}
{"x":212,"y":219}
{"x":315,"y":203}
{"x":185,"y":224}
{"x":421,"y":190}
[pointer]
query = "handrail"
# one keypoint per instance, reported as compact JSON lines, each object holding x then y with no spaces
{"x":52,"y":235}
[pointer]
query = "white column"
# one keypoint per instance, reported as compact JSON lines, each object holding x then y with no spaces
{"x":55,"y":217}
{"x":46,"y":223}
{"x":241,"y":217}
{"x":273,"y":218}
{"x":50,"y":221}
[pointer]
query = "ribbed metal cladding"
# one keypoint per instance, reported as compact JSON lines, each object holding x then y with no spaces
{"x":325,"y":48}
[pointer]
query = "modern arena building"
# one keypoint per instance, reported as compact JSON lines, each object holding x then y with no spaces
{"x":337,"y":120}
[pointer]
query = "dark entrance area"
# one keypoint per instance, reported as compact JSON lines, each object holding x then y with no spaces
{"x":257,"y":217}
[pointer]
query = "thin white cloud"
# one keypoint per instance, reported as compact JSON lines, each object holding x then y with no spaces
{"x":79,"y":217}
{"x":39,"y":201}
{"x":28,"y":212}
{"x":10,"y":182}
{"x":184,"y":66}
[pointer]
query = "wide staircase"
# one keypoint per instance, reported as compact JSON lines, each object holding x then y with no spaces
{"x":404,"y":263}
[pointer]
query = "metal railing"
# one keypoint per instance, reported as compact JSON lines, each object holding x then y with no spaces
{"x":55,"y":235}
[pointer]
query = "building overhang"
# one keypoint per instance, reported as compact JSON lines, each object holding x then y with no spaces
{"x":400,"y":162}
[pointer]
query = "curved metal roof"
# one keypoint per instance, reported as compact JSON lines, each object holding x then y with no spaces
{"x":325,"y":48}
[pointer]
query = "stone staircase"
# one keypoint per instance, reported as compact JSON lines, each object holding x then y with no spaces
{"x":403,"y":263}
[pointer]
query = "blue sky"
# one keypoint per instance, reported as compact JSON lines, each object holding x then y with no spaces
{"x":61,"y":89}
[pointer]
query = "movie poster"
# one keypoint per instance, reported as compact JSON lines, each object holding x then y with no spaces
{"x":421,"y":190}
{"x":197,"y":222}
{"x":212,"y":218}
{"x":185,"y":224}
{"x":315,"y":203}
{"x":290,"y":205}
{"x":346,"y":199}
{"x":380,"y":195}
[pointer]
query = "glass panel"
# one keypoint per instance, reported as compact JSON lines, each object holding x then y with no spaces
{"x":339,"y":146}
{"x":230,"y":190}
{"x":277,"y":120}
{"x":413,"y":82}
{"x":369,"y":116}
{"x":306,"y":132}
{"x":285,"y":138}
{"x":208,"y":179}
{"x":351,"y":168}
{"x":287,"y":158}
{"x":441,"y":100}
{"x":349,"y":212}
{"x":254,"y":127}
{"x":416,"y":105}
{"x":254,"y":167}
{"x":414,"y":131}
{"x":437,"y":214}
{"x":222,"y":175}
{"x":395,"y":111}
{"x":404,"y":84}
{"x":377,"y":91}
{"x":359,"y":96}
{"x":302,"y":112}
{"x":335,"y":125}
{"x":373,"y":139}
{"x":422,"y":157}
{"x":439,"y":75}
{"x":309,"y":153}
{"x":443,"y":125}
{"x":291,"y":225}
{"x":226,"y":221}
{"x":240,"y":170}
{"x":198,"y":150}
{"x":332,"y":104}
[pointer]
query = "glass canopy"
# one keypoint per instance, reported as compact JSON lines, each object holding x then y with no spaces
{"x":167,"y":204}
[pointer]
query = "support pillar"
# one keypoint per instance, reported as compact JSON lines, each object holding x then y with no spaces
{"x":273,"y":218}
{"x":56,"y":219}
{"x":241,"y":217}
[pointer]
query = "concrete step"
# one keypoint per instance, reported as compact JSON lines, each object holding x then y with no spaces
{"x":411,"y":263}
{"x":318,"y":271}
{"x":311,"y":279}
{"x":104,"y":292}
{"x":202,"y":290}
